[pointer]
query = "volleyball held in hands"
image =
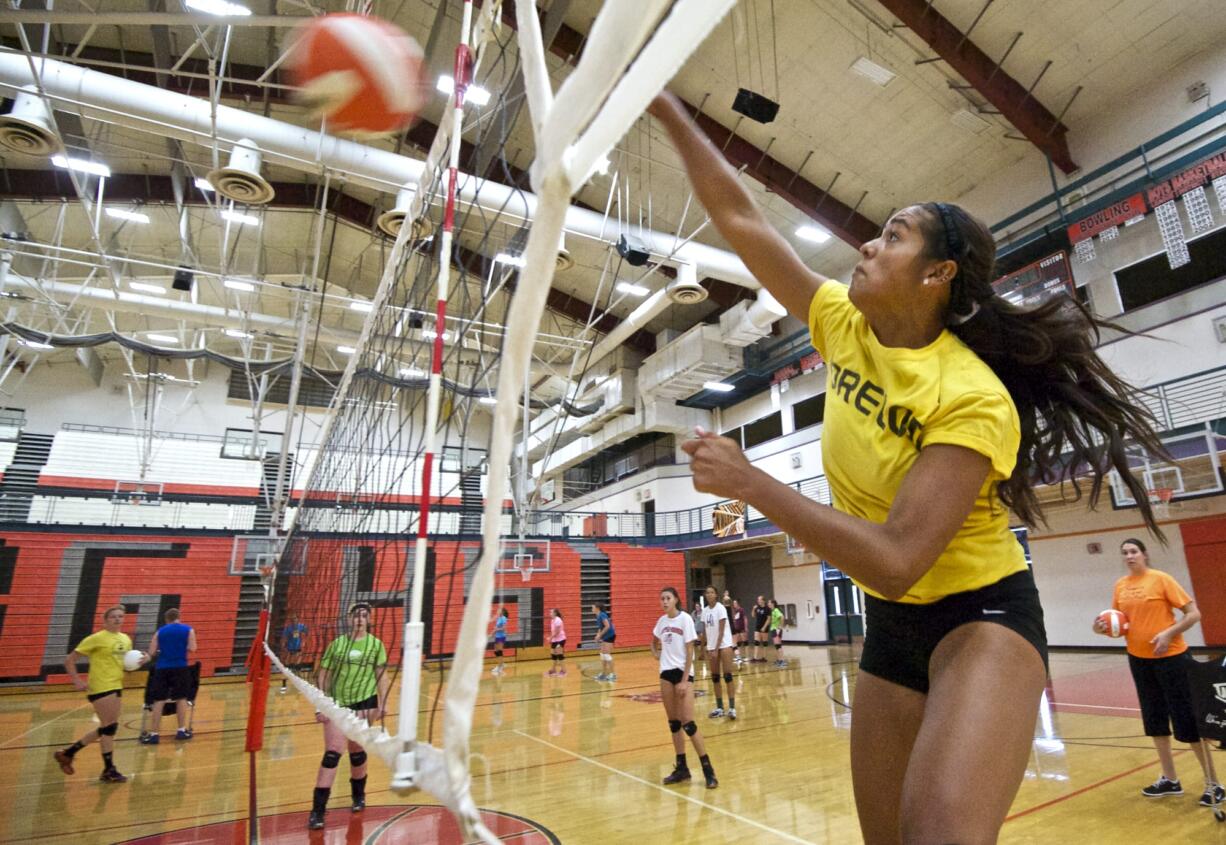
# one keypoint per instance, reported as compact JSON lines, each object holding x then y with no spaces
{"x":1114,"y":622}
{"x":132,"y":660}
{"x":363,"y":75}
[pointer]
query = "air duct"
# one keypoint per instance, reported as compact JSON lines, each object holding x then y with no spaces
{"x":27,"y":127}
{"x":241,"y":180}
{"x":112,"y":99}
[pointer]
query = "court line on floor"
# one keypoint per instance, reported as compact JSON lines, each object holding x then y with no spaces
{"x":1084,"y":789}
{"x":43,"y":725}
{"x":1095,"y":706}
{"x":660,"y":788}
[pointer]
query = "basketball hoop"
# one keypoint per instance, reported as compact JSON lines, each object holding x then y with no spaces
{"x":1160,"y":501}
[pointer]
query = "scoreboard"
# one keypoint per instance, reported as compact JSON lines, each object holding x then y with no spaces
{"x":1037,"y":282}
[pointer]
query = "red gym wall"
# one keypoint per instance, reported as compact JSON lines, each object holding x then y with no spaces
{"x":1204,"y":545}
{"x":54,"y":587}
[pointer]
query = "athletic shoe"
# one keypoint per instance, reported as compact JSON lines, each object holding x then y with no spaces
{"x":679,"y":774}
{"x":717,"y":713}
{"x":782,"y":664}
{"x":189,"y":733}
{"x":316,"y":820}
{"x":1214,"y":794}
{"x":497,"y":670}
{"x":112,"y":776}
{"x":283,"y":690}
{"x":358,"y":805}
{"x":600,"y":677}
{"x":150,"y":739}
{"x":612,"y":676}
{"x":1162,"y":788}
{"x":183,"y":733}
{"x":709,"y":774}
{"x":732,"y":713}
{"x":65,"y":763}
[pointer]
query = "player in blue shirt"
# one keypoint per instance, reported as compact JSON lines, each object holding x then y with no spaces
{"x":606,"y":635}
{"x":500,"y":640}
{"x":172,"y":678}
{"x":292,"y":636}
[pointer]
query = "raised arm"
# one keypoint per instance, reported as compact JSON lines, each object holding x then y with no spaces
{"x":738,"y":218}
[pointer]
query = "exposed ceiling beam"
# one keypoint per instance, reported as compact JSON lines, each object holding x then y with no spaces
{"x":843,"y":221}
{"x":1016,"y":104}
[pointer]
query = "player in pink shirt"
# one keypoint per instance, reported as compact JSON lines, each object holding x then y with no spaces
{"x":557,"y":643}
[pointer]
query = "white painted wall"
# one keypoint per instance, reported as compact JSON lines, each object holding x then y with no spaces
{"x":800,"y":585}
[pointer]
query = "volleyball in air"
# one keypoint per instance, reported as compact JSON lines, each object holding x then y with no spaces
{"x":131,"y":660}
{"x":364,"y":75}
{"x":1115,"y":622}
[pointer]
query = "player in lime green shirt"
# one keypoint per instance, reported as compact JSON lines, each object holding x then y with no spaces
{"x":352,"y":672}
{"x":105,"y":650}
{"x":776,"y":636}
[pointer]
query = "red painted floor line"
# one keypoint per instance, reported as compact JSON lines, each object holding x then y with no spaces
{"x":1077,"y":792}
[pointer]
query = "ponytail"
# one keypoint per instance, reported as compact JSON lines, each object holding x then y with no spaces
{"x":1067,"y":398}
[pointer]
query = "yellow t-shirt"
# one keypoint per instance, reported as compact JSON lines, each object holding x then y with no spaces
{"x":105,"y":652}
{"x":1149,"y":602}
{"x":884,"y":404}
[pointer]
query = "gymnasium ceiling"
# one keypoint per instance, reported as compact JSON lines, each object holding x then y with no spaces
{"x":842,"y":154}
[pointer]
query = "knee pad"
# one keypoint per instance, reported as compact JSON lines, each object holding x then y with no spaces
{"x":357,"y":758}
{"x":109,"y":730}
{"x":727,"y":677}
{"x":498,"y":652}
{"x":778,"y":646}
{"x":690,"y":728}
{"x":330,"y":760}
{"x":674,"y":725}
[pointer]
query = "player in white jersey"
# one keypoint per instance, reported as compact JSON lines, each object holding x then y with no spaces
{"x":719,"y":652}
{"x":672,"y":641}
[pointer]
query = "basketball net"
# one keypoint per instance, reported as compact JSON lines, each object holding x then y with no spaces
{"x":1160,"y":501}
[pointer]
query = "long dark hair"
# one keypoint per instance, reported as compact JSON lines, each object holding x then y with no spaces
{"x":1066,"y":395}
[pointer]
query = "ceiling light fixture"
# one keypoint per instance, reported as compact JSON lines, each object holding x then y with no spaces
{"x":508,"y":258}
{"x":813,"y":233}
{"x":632,"y":289}
{"x":474,"y":94}
{"x":204,"y":185}
{"x":235,"y":284}
{"x":239,"y":217}
{"x":719,"y":387}
{"x":488,"y":400}
{"x":124,"y":214}
{"x":412,"y":372}
{"x":364,"y":307}
{"x":34,"y":344}
{"x":147,"y":288}
{"x":873,"y":72}
{"x":241,"y":335}
{"x":94,"y":168}
{"x":218,"y":7}
{"x":346,"y":350}
{"x":162,"y":338}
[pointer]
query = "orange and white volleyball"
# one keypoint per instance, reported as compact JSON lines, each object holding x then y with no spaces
{"x":1114,"y":622}
{"x":364,"y":75}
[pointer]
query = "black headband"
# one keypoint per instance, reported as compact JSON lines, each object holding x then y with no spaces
{"x":953,"y":238}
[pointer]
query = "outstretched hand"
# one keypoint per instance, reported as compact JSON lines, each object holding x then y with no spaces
{"x":663,"y":104}
{"x":719,"y":466}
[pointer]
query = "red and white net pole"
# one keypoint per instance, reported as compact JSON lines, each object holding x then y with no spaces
{"x":405,"y":775}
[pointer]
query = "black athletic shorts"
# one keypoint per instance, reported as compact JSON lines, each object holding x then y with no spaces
{"x":365,"y":704}
{"x":558,"y":644}
{"x":673,"y":676}
{"x":1165,"y":691}
{"x":900,"y":638}
{"x":609,"y":638}
{"x":97,"y":695}
{"x":171,"y":684}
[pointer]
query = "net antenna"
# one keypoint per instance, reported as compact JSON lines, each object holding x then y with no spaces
{"x":633,"y":49}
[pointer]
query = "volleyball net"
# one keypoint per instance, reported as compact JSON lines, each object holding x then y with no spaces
{"x":404,"y":507}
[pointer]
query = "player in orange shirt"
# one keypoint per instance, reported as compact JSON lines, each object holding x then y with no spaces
{"x":1159,"y":658}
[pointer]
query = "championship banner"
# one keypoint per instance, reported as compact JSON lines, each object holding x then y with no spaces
{"x":1194,"y":177}
{"x":1115,"y":214}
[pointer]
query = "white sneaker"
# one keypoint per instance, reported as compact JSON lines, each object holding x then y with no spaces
{"x":717,"y":713}
{"x":732,"y":713}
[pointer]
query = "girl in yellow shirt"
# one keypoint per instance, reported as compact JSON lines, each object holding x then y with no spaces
{"x":944,"y":402}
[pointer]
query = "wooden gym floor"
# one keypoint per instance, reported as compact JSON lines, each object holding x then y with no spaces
{"x":573,"y":761}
